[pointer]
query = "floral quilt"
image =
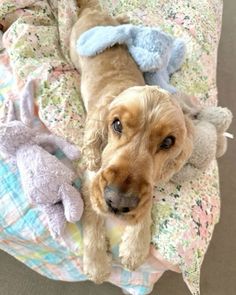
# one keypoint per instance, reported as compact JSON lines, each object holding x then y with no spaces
{"x":36,"y":42}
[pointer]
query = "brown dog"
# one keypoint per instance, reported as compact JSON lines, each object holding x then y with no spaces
{"x":135,"y":137}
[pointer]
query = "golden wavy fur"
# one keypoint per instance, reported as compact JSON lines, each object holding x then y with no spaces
{"x":133,"y":160}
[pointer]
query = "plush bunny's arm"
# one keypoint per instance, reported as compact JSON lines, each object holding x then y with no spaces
{"x":178,"y":52}
{"x":160,"y":78}
{"x":70,"y":150}
{"x":55,"y":218}
{"x":72,"y":202}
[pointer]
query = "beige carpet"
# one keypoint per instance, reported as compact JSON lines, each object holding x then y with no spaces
{"x":219,"y":268}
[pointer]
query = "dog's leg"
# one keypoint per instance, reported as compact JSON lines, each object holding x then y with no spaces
{"x":135,"y":244}
{"x":96,"y":259}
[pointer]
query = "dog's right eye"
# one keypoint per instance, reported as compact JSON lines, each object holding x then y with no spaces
{"x":167,"y":143}
{"x":117,"y":126}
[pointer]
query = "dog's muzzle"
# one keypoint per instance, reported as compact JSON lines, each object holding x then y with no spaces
{"x":118,"y":202}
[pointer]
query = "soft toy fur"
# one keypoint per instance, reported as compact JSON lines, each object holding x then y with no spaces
{"x":157,"y":54}
{"x":210,"y":137}
{"x":46,"y":181}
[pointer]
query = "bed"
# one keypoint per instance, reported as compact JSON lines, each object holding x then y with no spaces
{"x":35,"y":46}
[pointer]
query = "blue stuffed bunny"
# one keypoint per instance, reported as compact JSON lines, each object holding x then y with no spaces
{"x":157,"y":54}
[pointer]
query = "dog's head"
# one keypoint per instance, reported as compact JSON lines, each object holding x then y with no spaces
{"x":148,"y":140}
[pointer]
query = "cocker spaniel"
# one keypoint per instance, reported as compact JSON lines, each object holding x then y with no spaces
{"x":135,"y":136}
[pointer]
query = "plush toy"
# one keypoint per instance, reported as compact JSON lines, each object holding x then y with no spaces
{"x":157,"y":54}
{"x":46,"y":181}
{"x":210,"y":136}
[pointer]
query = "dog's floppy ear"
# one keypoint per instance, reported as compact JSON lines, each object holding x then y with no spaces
{"x":174,"y":165}
{"x":95,"y":138}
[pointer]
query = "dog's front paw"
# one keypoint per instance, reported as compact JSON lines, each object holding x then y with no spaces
{"x":133,"y":256}
{"x":98,"y":269}
{"x":132,"y":261}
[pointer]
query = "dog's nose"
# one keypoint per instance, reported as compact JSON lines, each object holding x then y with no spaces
{"x":119,"y":202}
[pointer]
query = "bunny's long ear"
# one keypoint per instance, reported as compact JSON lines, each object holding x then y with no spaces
{"x":97,"y":39}
{"x":27,"y":103}
{"x":11,"y":114}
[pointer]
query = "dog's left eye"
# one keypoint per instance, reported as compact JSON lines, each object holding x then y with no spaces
{"x":117,"y":126}
{"x":167,"y":143}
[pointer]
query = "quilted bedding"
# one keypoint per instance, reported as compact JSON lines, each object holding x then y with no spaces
{"x":36,"y":45}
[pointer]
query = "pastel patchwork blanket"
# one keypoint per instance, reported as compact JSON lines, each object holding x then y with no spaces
{"x":36,"y":42}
